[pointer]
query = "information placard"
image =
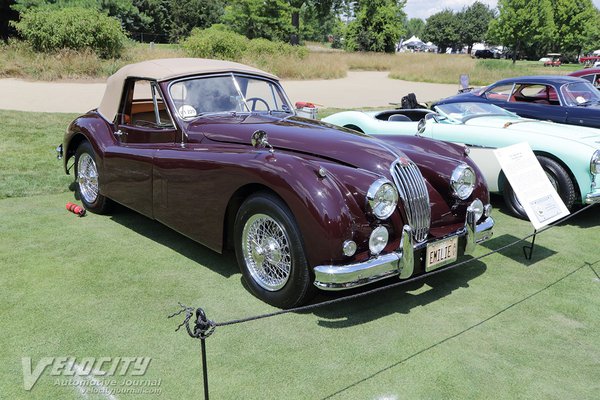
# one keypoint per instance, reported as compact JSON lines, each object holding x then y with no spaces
{"x":531,"y":184}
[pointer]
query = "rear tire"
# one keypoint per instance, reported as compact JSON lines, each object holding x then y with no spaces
{"x":559,"y":178}
{"x":87,"y":179}
{"x":270,"y":252}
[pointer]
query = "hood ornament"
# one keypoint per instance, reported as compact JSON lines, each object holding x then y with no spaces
{"x":260,"y":140}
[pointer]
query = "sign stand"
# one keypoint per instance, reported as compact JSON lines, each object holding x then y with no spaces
{"x":528,"y":250}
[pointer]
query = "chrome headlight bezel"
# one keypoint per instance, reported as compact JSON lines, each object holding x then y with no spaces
{"x":462,"y":181}
{"x":382,"y":198}
{"x":595,"y":163}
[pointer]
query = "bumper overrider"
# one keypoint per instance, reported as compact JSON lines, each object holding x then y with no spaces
{"x":400,"y":262}
{"x":592,"y":198}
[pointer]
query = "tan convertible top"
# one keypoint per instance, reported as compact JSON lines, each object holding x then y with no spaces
{"x":165,"y":69}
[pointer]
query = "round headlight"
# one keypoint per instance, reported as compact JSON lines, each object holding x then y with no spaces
{"x":463,"y":181}
{"x":378,"y":240}
{"x":595,"y":163}
{"x":382,"y":198}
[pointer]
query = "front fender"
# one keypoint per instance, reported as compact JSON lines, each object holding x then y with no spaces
{"x":327,"y":213}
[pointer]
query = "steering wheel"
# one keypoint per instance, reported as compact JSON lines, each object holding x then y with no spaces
{"x":255,"y":100}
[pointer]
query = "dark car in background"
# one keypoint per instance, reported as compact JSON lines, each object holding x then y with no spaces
{"x":563,"y":99}
{"x":214,"y":150}
{"x":485,"y":53}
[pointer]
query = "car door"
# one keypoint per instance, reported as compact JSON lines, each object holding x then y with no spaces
{"x":143,"y":126}
{"x":584,"y":107}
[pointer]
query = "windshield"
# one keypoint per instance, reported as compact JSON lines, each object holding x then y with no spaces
{"x":230,"y":93}
{"x":458,"y":112}
{"x":580,"y":94}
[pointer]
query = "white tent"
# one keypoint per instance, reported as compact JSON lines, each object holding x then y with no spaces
{"x":413,"y":41}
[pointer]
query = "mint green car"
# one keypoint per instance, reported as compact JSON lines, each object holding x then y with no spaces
{"x":570,"y":155}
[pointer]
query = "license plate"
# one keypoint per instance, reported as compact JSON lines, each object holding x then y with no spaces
{"x":441,"y":253}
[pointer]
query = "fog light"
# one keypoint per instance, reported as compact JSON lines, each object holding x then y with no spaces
{"x":349,"y":248}
{"x":378,"y":240}
{"x":476,"y":208}
{"x":487,"y":210}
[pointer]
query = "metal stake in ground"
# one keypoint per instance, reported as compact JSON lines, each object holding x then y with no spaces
{"x":528,"y":250}
{"x":203,"y":328}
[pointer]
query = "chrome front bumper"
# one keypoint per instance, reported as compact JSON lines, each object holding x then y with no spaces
{"x":401,"y":262}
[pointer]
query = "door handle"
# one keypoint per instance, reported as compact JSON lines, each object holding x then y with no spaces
{"x":120,"y":133}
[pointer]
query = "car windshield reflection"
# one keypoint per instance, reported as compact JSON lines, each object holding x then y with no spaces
{"x":204,"y":96}
{"x":460,"y":112}
{"x":580,"y":94}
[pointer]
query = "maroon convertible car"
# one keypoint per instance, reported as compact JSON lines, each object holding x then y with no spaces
{"x":214,"y":150}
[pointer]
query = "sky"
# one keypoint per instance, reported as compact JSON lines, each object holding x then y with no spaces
{"x":425,"y":8}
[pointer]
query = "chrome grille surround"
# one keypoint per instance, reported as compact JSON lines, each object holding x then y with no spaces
{"x":415,"y":197}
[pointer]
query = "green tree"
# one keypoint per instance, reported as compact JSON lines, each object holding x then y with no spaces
{"x":157,"y":30}
{"x":75,"y":28}
{"x":315,"y":25}
{"x":574,"y":20}
{"x":523,"y":25}
{"x":132,"y":20}
{"x":474,"y":23}
{"x":378,"y":25}
{"x":7,"y":14}
{"x":443,"y":29}
{"x":592,"y":38}
{"x":415,"y":27}
{"x":189,"y":14}
{"x":269,"y":19}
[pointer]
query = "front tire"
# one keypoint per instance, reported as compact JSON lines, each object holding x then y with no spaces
{"x":87,"y":180}
{"x":558,"y":176}
{"x":270,"y":252}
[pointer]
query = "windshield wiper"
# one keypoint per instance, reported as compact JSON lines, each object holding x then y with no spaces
{"x":271,"y":112}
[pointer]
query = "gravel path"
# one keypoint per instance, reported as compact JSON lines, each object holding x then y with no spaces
{"x":358,"y":89}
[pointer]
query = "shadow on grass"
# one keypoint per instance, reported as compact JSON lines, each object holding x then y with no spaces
{"x":224,"y":264}
{"x":515,"y":252}
{"x":394,"y":300}
{"x":456,"y":335}
{"x":587,"y":219}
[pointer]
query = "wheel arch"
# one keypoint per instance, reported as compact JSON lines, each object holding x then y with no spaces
{"x":74,"y":142}
{"x":502,"y":178}
{"x":235,"y":202}
{"x":562,"y":164}
{"x":354,"y":127}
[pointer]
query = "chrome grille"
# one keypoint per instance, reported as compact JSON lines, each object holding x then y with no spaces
{"x":413,"y":192}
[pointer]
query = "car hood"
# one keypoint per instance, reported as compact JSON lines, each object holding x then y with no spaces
{"x":300,"y":135}
{"x":589,"y":136}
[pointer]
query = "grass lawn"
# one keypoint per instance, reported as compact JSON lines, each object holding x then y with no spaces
{"x":102,"y":286}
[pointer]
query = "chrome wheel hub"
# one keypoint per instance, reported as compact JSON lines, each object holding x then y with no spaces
{"x":266,"y":251}
{"x":87,"y":178}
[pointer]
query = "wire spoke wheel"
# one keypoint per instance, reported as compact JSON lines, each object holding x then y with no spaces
{"x":87,"y":178}
{"x":266,"y":250}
